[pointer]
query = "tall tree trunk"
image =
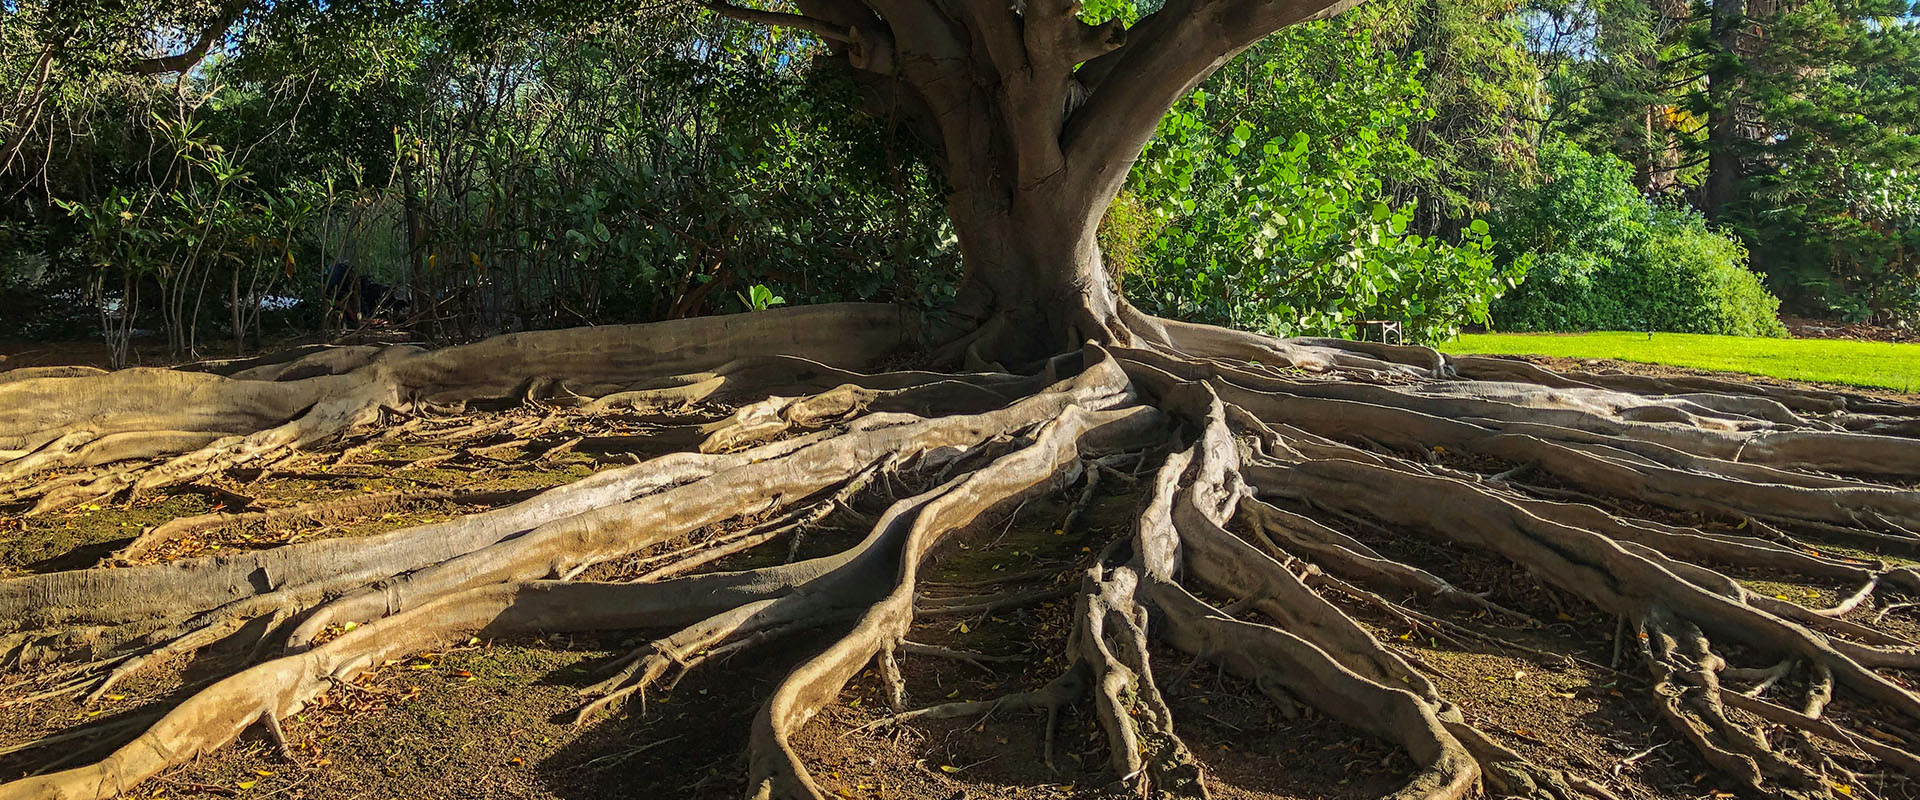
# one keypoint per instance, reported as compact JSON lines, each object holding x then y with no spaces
{"x":238,"y":319}
{"x":1723,"y":114}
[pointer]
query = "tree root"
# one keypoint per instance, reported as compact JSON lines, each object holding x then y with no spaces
{"x":211,"y":423}
{"x":325,"y":510}
{"x":1262,"y":550}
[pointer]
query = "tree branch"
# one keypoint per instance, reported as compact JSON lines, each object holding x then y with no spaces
{"x":1056,"y":38}
{"x":182,"y":62}
{"x":818,"y":27}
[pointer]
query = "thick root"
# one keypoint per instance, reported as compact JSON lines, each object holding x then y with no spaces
{"x":201,"y":423}
{"x":1264,"y":548}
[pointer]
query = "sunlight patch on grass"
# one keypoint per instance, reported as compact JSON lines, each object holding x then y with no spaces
{"x":1879,"y":364}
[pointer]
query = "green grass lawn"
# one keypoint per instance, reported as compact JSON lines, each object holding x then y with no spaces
{"x":1889,"y":366}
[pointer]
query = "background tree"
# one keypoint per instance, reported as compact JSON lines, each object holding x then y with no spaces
{"x":1754,"y":113}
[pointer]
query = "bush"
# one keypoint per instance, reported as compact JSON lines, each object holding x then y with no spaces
{"x":1696,"y":281}
{"x":1604,"y":258}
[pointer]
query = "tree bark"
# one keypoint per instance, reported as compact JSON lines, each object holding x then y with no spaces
{"x":1033,"y":271}
{"x":1723,"y":121}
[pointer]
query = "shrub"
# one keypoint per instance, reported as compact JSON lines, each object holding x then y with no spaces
{"x":1604,"y":258}
{"x":1695,"y":280}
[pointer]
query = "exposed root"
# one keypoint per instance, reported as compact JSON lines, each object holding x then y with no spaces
{"x":199,"y":424}
{"x":1058,"y":693}
{"x":1265,"y":548}
{"x":891,"y":557}
{"x":283,"y":686}
{"x":756,"y":486}
{"x":347,"y":507}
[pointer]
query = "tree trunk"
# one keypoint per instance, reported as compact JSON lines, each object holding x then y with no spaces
{"x":1035,"y":284}
{"x":1033,"y":262}
{"x":239,"y":320}
{"x":1723,"y":121}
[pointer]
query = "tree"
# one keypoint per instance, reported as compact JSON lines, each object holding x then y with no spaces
{"x":1268,"y":452}
{"x":1833,"y":94}
{"x":1604,"y":258}
{"x":1786,"y":121}
{"x":1486,"y":99}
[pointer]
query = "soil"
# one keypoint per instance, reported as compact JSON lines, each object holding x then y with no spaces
{"x":1803,"y":328}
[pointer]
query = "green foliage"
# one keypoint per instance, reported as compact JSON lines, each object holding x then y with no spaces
{"x":760,"y":298}
{"x":500,"y":172}
{"x":211,"y":224}
{"x":1788,"y":123}
{"x":1267,"y":187}
{"x":1484,"y":100}
{"x":1697,"y":281}
{"x":550,"y":162}
{"x":1604,"y":258}
{"x":763,"y":174}
{"x":1828,"y":200}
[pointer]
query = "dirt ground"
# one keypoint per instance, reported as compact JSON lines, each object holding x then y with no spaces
{"x":151,"y":351}
{"x":1803,"y":328}
{"x":487,"y":719}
